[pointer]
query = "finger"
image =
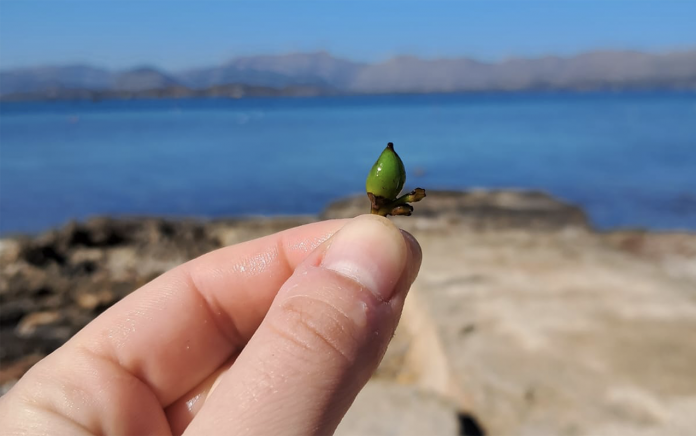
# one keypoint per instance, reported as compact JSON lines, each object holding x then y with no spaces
{"x":166,"y":338}
{"x":323,"y":337}
{"x":181,"y":412}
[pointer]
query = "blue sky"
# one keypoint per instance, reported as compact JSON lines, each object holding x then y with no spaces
{"x":182,"y":34}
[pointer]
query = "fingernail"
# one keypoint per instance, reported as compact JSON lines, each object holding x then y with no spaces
{"x":371,"y":251}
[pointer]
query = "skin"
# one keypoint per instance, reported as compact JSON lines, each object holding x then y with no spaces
{"x":272,"y":336}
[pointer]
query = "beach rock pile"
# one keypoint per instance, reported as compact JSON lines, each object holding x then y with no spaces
{"x":477,"y":209}
{"x":54,"y":284}
{"x":523,"y":321}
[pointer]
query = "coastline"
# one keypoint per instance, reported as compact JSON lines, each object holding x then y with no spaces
{"x":287,"y":75}
{"x":242,"y":91}
{"x":523,"y":318}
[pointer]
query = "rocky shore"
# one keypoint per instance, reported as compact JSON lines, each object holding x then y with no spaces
{"x":523,"y":321}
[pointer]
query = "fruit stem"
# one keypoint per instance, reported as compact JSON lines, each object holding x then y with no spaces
{"x":400,"y":206}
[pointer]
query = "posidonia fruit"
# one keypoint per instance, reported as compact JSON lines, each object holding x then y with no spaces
{"x":385,"y":181}
{"x":387,"y":176}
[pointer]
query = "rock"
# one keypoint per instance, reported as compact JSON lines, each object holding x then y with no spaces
{"x":85,"y":261}
{"x":234,"y":231}
{"x":552,"y":333}
{"x":42,"y":255}
{"x":15,"y":347}
{"x":528,"y":210}
{"x":13,"y":311}
{"x":52,"y":285}
{"x":95,"y":300}
{"x":386,"y":409}
{"x":635,"y":405}
{"x":30,"y":323}
{"x":675,"y":252}
{"x":10,"y":250}
{"x":31,"y":279}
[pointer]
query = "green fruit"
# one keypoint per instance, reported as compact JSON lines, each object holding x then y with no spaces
{"x":387,"y":176}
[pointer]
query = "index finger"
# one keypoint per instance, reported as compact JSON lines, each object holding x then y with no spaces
{"x":177,"y":329}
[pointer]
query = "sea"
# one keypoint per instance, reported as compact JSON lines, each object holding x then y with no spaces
{"x":628,"y":159}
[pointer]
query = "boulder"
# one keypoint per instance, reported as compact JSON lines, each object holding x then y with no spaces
{"x":477,"y":209}
{"x":385,"y":408}
{"x":555,"y":332}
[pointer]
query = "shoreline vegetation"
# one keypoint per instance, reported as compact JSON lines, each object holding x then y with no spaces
{"x":520,"y":307}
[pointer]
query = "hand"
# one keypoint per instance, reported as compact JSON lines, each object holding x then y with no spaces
{"x":273,"y":336}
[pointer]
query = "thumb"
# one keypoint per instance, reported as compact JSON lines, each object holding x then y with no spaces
{"x":322,"y":338}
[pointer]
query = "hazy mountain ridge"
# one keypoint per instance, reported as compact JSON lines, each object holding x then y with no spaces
{"x":318,"y":69}
{"x":83,"y":78}
{"x":592,"y":70}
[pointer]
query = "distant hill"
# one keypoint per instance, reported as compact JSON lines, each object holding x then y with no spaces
{"x":617,"y":70}
{"x":81,"y":77}
{"x":318,"y":69}
{"x":595,"y":70}
{"x":142,"y":79}
{"x":48,"y":78}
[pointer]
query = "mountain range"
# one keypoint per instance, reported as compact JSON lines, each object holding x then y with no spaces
{"x":323,"y":73}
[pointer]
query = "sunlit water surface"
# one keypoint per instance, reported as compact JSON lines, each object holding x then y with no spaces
{"x":628,"y":159}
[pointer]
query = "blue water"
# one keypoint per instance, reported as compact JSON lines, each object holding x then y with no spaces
{"x":628,"y":159}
